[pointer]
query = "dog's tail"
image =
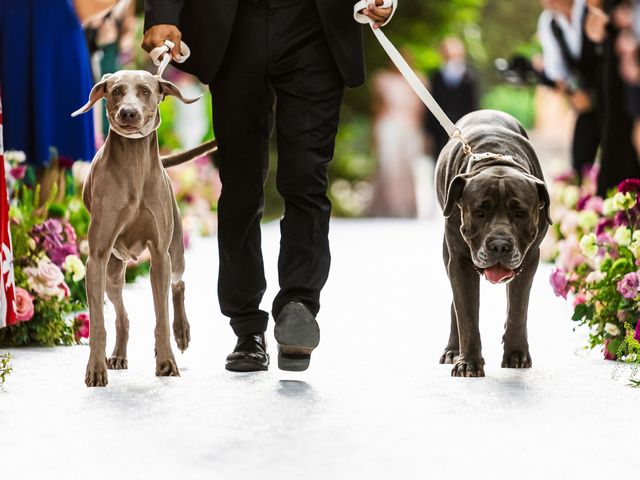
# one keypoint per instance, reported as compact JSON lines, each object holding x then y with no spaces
{"x":183,"y":157}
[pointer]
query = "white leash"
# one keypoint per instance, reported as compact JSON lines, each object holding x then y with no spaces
{"x":407,"y":72}
{"x":161,"y":56}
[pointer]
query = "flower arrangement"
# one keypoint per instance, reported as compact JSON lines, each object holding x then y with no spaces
{"x":49,"y":274}
{"x":49,"y":248}
{"x":5,"y":367}
{"x":596,"y":247}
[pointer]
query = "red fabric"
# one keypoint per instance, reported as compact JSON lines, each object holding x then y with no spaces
{"x":7,"y":288}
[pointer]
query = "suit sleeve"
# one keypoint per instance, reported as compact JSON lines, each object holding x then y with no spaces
{"x":158,"y":12}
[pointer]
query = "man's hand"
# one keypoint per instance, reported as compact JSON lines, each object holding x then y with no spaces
{"x":156,"y":35}
{"x":377,"y":13}
{"x":580,"y":101}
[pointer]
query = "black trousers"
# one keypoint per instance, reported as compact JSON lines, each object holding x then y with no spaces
{"x":586,"y":140}
{"x":277,"y":68}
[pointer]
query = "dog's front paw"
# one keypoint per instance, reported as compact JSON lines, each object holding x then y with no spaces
{"x":516,"y":359}
{"x":96,"y":375}
{"x":450,"y":356}
{"x":117,"y":363}
{"x":167,"y":367}
{"x":468,"y":368}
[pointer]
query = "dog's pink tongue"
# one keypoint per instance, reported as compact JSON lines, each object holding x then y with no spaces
{"x":498,"y":273}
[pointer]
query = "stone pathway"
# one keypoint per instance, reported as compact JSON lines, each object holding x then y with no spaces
{"x":374,"y":404}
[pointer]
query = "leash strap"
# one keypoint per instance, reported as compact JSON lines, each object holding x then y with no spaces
{"x":161,"y":55}
{"x":407,"y":72}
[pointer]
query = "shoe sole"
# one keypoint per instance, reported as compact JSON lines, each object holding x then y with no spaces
{"x":245,"y":366}
{"x":296,"y":341}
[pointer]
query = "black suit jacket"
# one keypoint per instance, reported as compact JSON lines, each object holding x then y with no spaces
{"x":206,"y":27}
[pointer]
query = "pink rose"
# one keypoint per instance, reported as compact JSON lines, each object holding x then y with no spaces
{"x":570,"y":254}
{"x":46,"y":279}
{"x":24,"y":305}
{"x":595,"y":204}
{"x":579,"y":300}
{"x":82,"y":326}
{"x":559,"y":282}
{"x":629,"y":285}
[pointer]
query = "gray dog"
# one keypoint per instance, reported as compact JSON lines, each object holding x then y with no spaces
{"x":132,"y":207}
{"x":497,"y":213}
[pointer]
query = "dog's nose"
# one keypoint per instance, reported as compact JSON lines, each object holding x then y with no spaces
{"x":128,"y":115}
{"x":500,"y":246}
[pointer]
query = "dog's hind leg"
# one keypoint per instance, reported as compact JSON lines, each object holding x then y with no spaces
{"x":452,"y":350}
{"x":181,"y":328}
{"x":115,"y":282}
{"x":516,"y":345}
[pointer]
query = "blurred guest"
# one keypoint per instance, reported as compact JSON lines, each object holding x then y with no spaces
{"x":454,"y":87}
{"x":398,"y":143}
{"x":44,"y":76}
{"x":619,"y":159}
{"x":573,"y":62}
{"x":627,"y":18}
{"x":111,"y":40}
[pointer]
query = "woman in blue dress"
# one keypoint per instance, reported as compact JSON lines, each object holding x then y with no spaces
{"x":45,"y":74}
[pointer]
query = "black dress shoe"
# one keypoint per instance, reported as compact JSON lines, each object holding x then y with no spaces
{"x":250,"y":354}
{"x":297,"y":334}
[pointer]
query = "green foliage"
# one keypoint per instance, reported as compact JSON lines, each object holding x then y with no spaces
{"x":517,"y":101}
{"x":5,"y":367}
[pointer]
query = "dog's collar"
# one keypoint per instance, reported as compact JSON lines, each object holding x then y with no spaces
{"x":489,"y":159}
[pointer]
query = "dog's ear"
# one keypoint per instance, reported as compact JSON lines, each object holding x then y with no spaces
{"x":545,"y":200}
{"x":454,"y":193}
{"x":97,"y":92}
{"x":169,"y":88}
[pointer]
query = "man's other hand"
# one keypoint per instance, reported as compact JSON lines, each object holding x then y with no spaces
{"x":156,"y":35}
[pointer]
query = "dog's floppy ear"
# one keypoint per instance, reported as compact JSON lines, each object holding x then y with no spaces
{"x":545,"y":200}
{"x":97,"y":92}
{"x":169,"y":88}
{"x":454,"y":193}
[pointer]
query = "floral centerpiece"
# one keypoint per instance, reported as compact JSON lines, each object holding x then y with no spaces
{"x":48,"y":263}
{"x":596,"y":247}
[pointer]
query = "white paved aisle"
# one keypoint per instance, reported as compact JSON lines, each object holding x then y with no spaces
{"x":375,"y":403}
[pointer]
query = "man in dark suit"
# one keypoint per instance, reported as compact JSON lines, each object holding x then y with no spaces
{"x":454,"y":86}
{"x":266,"y":61}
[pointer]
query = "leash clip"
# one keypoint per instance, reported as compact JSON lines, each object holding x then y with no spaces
{"x":466,"y":148}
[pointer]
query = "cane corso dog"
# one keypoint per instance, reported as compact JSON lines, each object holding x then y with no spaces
{"x":497,"y":213}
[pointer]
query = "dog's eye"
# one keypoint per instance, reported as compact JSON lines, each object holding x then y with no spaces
{"x":116,"y":91}
{"x":146,"y":91}
{"x":479,"y":214}
{"x":521,"y":213}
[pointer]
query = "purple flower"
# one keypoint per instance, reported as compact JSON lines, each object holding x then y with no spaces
{"x":582,"y":202}
{"x":559,"y":282}
{"x":629,"y":185}
{"x":59,"y":254}
{"x":603,"y":225}
{"x":628,"y":286}
{"x":607,"y":354}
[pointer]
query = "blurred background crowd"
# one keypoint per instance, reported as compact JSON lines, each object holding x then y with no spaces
{"x":569,"y":70}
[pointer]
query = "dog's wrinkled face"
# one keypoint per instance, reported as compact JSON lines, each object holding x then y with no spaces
{"x":500,"y":215}
{"x":132,"y":99}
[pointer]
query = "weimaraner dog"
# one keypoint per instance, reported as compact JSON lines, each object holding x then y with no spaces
{"x":497,"y":213}
{"x":132,"y":206}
